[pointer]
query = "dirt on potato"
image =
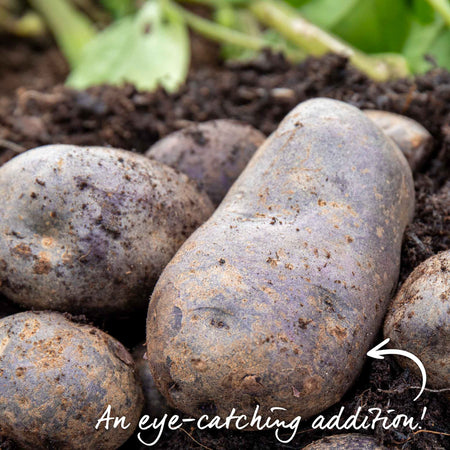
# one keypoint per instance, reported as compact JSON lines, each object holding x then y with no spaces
{"x":287,"y":318}
{"x":260,"y":93}
{"x":56,"y":377}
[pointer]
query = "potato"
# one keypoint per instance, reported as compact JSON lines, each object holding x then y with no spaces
{"x":418,"y":320}
{"x":57,"y":379}
{"x":214,"y":153}
{"x":155,"y":405}
{"x":276,"y":299}
{"x":411,"y":137}
{"x":89,"y":230}
{"x":346,"y":442}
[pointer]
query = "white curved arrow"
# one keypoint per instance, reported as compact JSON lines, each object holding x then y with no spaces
{"x":378,"y":354}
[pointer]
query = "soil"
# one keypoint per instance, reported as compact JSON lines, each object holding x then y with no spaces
{"x":36,"y":109}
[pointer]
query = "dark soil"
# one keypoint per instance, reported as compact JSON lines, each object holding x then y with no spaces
{"x":28,"y":64}
{"x":35,"y":109}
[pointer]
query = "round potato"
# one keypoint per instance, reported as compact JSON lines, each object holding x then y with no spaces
{"x":346,"y":442}
{"x":155,"y":405}
{"x":418,"y":320}
{"x":412,"y":138}
{"x":89,"y":230}
{"x":56,"y":380}
{"x":214,"y":153}
{"x":276,"y":299}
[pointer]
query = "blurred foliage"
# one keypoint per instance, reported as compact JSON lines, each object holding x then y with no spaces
{"x":414,"y":28}
{"x":139,"y":49}
{"x":146,"y":41}
{"x":71,"y":28}
{"x":119,"y":8}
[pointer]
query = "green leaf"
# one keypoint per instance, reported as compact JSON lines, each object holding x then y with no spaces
{"x":148,"y":49}
{"x":239,"y":20}
{"x":442,"y":7}
{"x":423,"y":11}
{"x":291,"y":51}
{"x":420,"y":40}
{"x":440,"y":49}
{"x":327,"y":13}
{"x":297,"y":3}
{"x":409,"y":27}
{"x":227,"y":16}
{"x":119,"y":8}
{"x":376,"y":26}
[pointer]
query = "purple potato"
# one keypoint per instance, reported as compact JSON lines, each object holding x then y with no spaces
{"x":214,"y":153}
{"x":418,"y":320}
{"x":57,"y":379}
{"x":411,"y":137}
{"x":88,"y":230}
{"x":276,"y":299}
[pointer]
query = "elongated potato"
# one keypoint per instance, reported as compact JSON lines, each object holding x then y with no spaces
{"x":58,"y":377}
{"x":346,"y":442}
{"x":89,"y":230}
{"x":418,"y":320}
{"x":214,"y":153}
{"x":275,"y":300}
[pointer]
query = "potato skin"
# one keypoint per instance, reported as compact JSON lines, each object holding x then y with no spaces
{"x":414,"y":140}
{"x":56,"y":380}
{"x":155,"y":405}
{"x":418,"y":320}
{"x":346,"y":442}
{"x":89,"y":230}
{"x":277,"y":297}
{"x":214,"y":153}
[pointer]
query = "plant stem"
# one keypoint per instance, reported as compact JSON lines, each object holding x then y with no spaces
{"x":9,"y":5}
{"x":315,"y":41}
{"x":443,"y":8}
{"x":220,"y":33}
{"x":29,"y":25}
{"x":72,"y":29}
